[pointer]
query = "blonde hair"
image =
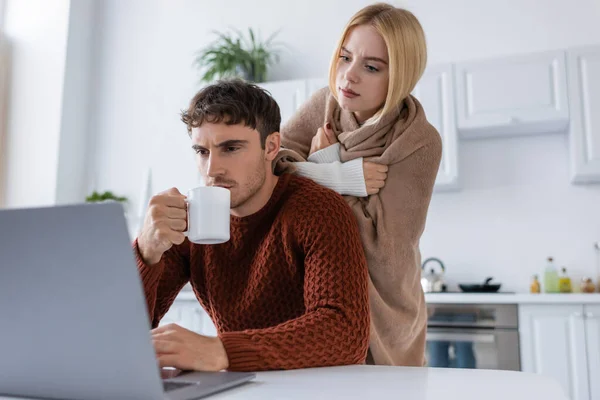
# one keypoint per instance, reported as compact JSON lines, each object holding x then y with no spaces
{"x":407,"y":51}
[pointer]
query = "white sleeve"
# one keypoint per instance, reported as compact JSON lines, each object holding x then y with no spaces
{"x":327,"y":155}
{"x":345,"y":178}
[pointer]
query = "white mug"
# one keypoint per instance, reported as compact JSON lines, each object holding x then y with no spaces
{"x":208,"y":215}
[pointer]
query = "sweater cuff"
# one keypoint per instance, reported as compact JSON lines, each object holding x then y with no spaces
{"x":346,"y":179}
{"x":353,"y":178}
{"x":327,"y":155}
{"x":242,"y":353}
{"x":150,"y":274}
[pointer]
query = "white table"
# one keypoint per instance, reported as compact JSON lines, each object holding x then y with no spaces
{"x":377,"y":382}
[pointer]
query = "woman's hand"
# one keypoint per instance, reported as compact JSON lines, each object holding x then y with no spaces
{"x":325,"y":137}
{"x":375,"y":176}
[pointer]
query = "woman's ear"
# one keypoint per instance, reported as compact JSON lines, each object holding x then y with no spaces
{"x":272,"y":145}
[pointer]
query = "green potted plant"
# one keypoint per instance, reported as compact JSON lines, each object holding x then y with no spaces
{"x":234,"y":55}
{"x":96,"y":197}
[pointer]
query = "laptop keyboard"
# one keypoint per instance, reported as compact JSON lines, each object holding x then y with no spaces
{"x":169,"y":386}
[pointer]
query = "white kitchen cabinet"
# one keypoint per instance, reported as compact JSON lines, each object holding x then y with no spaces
{"x":553,"y":343}
{"x":592,"y":331}
{"x":584,"y":97}
{"x":312,"y":85}
{"x":204,"y":324}
{"x":189,"y":314}
{"x":288,"y":94}
{"x":512,"y":95}
{"x":435,"y":92}
{"x":173,"y":316}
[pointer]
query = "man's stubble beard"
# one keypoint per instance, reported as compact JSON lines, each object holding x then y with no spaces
{"x":252,"y":187}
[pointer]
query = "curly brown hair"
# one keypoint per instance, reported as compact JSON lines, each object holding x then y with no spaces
{"x":234,"y":102}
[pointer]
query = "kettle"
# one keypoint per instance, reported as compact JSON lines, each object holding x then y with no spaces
{"x":433,"y":282}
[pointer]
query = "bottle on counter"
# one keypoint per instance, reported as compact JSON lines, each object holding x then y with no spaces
{"x":587,"y":285}
{"x":535,"y":285}
{"x":564,"y":282}
{"x":551,"y":277}
{"x":597,"y":249}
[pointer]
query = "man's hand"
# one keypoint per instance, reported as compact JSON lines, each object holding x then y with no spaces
{"x":375,"y":176}
{"x":325,"y":137}
{"x":186,"y":350}
{"x":165,"y":222}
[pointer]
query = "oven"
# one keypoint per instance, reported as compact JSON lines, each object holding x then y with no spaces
{"x":477,"y":336}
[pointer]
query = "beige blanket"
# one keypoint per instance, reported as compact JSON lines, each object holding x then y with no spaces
{"x":391,"y":222}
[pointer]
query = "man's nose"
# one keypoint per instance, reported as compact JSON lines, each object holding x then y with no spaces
{"x":215,"y":166}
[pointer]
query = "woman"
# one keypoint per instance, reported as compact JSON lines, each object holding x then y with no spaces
{"x":366,"y":137}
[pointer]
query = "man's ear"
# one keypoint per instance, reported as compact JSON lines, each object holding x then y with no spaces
{"x":272,"y":145}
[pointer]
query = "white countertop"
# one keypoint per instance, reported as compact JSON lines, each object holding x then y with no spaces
{"x":489,"y":298}
{"x":378,"y":382}
{"x":513,"y":298}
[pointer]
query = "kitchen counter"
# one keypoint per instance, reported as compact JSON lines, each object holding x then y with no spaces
{"x":488,"y":298}
{"x":366,"y":382}
{"x":513,"y":298}
{"x":378,"y":382}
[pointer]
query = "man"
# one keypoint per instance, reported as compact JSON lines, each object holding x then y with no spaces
{"x":289,"y":289}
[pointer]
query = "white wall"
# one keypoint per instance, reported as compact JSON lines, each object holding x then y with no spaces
{"x":71,"y":179}
{"x":37,"y":34}
{"x":51,"y":49}
{"x":516,"y":207}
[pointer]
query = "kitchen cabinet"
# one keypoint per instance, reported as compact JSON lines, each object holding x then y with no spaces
{"x":512,"y":95}
{"x":435,"y":92}
{"x":584,"y":97}
{"x":563,"y":342}
{"x":189,"y":314}
{"x":312,"y":85}
{"x":592,"y":330}
{"x":288,"y":94}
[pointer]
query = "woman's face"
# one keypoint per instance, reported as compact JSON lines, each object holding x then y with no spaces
{"x":362,"y":72}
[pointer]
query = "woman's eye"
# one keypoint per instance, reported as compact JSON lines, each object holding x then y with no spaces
{"x":370,"y":68}
{"x":345,"y":58}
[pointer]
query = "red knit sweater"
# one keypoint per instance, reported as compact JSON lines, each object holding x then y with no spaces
{"x":289,"y":289}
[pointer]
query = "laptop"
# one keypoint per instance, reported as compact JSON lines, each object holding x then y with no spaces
{"x":74,"y":318}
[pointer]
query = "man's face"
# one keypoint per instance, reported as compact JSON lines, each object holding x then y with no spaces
{"x":231,"y":156}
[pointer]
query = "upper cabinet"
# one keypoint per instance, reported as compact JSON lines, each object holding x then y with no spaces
{"x":512,"y":95}
{"x":435,"y":92}
{"x":288,"y":94}
{"x":548,"y":92}
{"x":584,"y":97}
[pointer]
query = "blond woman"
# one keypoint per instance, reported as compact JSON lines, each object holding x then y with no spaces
{"x":366,"y":137}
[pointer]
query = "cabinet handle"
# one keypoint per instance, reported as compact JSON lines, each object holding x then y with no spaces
{"x":589,"y":314}
{"x":577,"y":314}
